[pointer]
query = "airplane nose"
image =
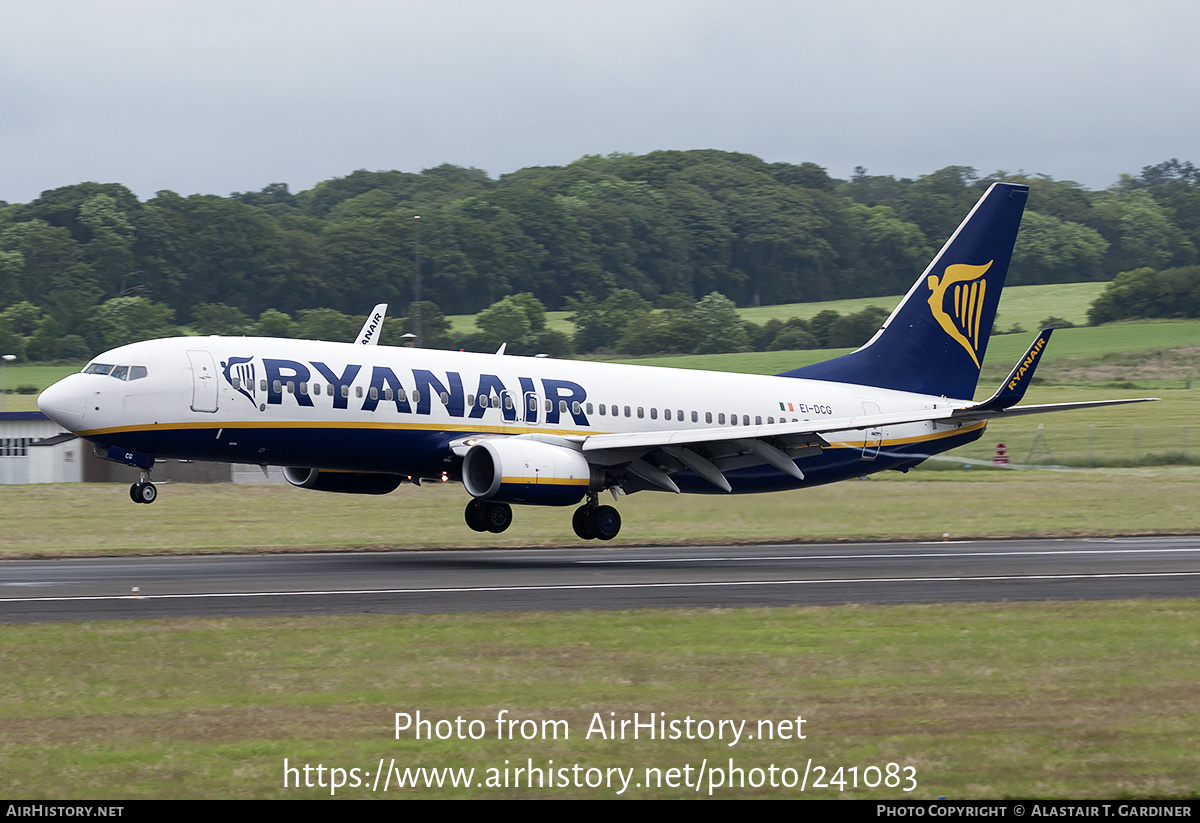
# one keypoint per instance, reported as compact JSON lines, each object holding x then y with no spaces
{"x":64,"y":402}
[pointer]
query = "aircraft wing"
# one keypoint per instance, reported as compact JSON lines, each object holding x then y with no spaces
{"x":653,"y":456}
{"x":369,"y":334}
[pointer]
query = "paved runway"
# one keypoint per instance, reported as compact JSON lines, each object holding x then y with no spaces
{"x":598,"y":577}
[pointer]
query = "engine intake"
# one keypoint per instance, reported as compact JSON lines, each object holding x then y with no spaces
{"x":516,"y":470}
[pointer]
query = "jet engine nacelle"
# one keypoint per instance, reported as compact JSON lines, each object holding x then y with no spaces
{"x":516,"y":470}
{"x":343,"y":482}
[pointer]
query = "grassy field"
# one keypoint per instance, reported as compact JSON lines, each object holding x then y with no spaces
{"x":1069,"y":700}
{"x":1025,"y":306}
{"x":1126,"y":352}
{"x":77,"y":519}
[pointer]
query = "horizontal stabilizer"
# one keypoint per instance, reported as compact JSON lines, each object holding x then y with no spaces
{"x":980,"y":413}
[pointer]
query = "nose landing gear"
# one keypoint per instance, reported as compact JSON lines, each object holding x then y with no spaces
{"x":143,"y":491}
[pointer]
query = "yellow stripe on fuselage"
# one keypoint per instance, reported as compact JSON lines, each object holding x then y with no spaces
{"x":545,"y":481}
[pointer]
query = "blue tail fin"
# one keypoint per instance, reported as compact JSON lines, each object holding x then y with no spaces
{"x":935,"y":340}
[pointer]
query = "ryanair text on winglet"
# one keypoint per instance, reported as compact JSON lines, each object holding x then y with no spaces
{"x":1035,"y":352}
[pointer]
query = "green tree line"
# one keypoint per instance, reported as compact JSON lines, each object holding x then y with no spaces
{"x":87,"y":266}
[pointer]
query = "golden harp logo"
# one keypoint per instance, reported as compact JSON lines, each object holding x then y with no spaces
{"x":965,"y":286}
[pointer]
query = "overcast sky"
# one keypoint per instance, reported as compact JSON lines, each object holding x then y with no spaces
{"x":216,"y":97}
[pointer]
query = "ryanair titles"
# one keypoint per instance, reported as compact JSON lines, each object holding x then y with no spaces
{"x":556,"y":400}
{"x":1035,"y":351}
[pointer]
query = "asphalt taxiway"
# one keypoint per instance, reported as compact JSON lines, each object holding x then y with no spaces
{"x":594,"y":576}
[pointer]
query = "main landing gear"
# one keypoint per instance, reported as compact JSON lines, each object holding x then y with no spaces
{"x":483,"y":516}
{"x":143,"y":491}
{"x":593,"y":522}
{"x":590,"y":521}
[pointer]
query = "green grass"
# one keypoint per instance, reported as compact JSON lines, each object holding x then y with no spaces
{"x":90,"y":519}
{"x":1072,"y":700}
{"x":1026,"y":306}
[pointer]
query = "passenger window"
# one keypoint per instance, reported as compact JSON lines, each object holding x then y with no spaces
{"x":532,"y":403}
{"x":770,"y":420}
{"x":387,"y":393}
{"x":346,"y":391}
{"x":549,"y":404}
{"x":495,"y":402}
{"x":757,"y":420}
{"x":236,"y":383}
{"x":589,"y":408}
{"x":373,"y":393}
{"x":602,"y":408}
{"x":707,"y":417}
{"x":576,"y":408}
{"x":358,"y":391}
{"x":680,"y":413}
{"x":508,"y":403}
{"x":470,"y":400}
{"x":329,"y":389}
{"x":653,"y":412}
{"x":666,"y":414}
{"x":291,"y":384}
{"x":445,"y":398}
{"x":415,"y":396}
{"x":304,"y":387}
{"x":138,"y":372}
{"x":721,"y":419}
{"x":641,"y":412}
{"x":277,"y":386}
{"x":745,"y":420}
{"x":316,"y":389}
{"x":628,"y":412}
{"x":262,"y":384}
{"x":562,"y":406}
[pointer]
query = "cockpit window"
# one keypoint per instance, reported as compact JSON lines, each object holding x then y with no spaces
{"x":97,"y":368}
{"x":120,"y":372}
{"x":137,"y":372}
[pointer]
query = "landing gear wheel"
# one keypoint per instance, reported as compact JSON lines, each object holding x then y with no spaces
{"x":579,"y":522}
{"x":474,"y":516}
{"x":143,"y":493}
{"x":497,"y":516}
{"x":604,"y":522}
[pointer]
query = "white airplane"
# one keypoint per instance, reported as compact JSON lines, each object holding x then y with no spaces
{"x":344,"y":417}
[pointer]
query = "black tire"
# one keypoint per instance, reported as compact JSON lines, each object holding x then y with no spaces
{"x":147,"y":493}
{"x":497,"y":516}
{"x":133,"y":493}
{"x":474,"y":516}
{"x":579,"y":522}
{"x":604,"y":522}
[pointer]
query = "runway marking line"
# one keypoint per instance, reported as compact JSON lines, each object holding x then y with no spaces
{"x":935,"y":555}
{"x":586,"y":586}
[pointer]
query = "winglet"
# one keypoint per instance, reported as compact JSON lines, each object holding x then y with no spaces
{"x":369,"y":334}
{"x":1013,"y":389}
